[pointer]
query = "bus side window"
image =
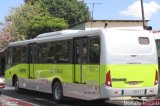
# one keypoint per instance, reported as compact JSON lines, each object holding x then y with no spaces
{"x":46,"y":54}
{"x":62,"y":53}
{"x":94,"y":52}
{"x":24,"y":51}
{"x":9,"y":58}
{"x":51,"y":58}
{"x":16,"y":54}
{"x":84,"y":50}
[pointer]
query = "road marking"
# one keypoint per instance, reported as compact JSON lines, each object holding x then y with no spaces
{"x":8,"y":101}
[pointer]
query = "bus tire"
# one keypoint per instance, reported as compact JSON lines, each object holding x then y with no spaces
{"x":57,"y":92}
{"x":16,"y":85}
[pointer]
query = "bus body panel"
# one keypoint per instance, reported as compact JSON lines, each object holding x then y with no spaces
{"x":131,"y":76}
{"x":107,"y":92}
{"x":49,"y":71}
{"x":21,"y":70}
{"x":81,"y":91}
{"x":129,"y":55}
{"x":129,"y":47}
{"x":131,"y":59}
{"x":44,"y":75}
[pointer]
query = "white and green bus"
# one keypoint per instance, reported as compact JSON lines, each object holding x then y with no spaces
{"x":89,"y":65}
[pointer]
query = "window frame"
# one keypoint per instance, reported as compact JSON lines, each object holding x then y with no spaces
{"x":89,"y":57}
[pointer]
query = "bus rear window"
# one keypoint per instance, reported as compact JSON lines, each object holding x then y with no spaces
{"x":143,"y":40}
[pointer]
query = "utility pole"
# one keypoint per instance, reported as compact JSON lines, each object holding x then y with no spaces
{"x":92,"y":13}
{"x":143,"y":18}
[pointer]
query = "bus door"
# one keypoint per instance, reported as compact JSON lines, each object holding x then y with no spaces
{"x":80,"y":59}
{"x":32,"y":58}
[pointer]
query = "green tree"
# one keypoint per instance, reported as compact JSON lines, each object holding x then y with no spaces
{"x":71,"y":10}
{"x":40,"y":25}
{"x":29,"y":20}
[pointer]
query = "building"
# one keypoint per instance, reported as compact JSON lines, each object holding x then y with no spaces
{"x":156,"y":35}
{"x":94,"y":24}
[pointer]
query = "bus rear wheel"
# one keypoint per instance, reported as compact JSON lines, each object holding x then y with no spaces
{"x":57,"y":92}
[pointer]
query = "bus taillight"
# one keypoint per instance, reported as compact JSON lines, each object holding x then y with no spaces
{"x":156,"y":78}
{"x":108,"y":79}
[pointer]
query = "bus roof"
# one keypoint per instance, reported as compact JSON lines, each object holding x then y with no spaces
{"x":64,"y":34}
{"x":52,"y":36}
{"x":57,"y":33}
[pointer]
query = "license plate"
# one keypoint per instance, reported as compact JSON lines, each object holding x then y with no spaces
{"x":133,"y":83}
{"x":140,"y":91}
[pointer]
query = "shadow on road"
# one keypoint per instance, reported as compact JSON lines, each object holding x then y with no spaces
{"x":44,"y":99}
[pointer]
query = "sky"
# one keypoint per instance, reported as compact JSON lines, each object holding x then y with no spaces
{"x":107,"y":10}
{"x":126,"y":10}
{"x":6,"y":5}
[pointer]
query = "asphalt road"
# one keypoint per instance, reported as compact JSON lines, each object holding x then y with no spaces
{"x":43,"y":99}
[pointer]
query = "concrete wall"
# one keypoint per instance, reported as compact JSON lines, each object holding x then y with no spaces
{"x":101,"y":24}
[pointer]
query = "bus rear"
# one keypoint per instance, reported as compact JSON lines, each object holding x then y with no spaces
{"x":129,"y":64}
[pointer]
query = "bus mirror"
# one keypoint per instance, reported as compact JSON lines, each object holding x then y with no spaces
{"x":148,"y":28}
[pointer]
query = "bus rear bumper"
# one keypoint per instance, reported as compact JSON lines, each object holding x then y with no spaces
{"x":107,"y":92}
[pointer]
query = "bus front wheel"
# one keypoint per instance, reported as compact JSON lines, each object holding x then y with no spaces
{"x":16,"y":85}
{"x":57,"y":91}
